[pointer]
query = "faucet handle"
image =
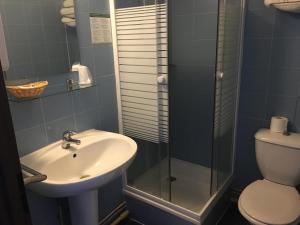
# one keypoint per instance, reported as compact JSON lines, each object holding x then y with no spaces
{"x":68,"y":133}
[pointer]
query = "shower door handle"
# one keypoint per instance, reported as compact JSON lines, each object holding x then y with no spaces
{"x":162,"y":79}
{"x":220,"y":75}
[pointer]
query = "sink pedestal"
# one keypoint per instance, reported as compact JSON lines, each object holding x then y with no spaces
{"x":84,"y":208}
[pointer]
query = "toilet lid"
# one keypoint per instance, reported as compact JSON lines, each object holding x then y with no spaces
{"x":271,"y":203}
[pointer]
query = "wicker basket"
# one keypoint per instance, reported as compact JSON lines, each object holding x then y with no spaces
{"x":27,"y":91}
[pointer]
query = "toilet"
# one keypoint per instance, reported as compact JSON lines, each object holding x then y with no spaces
{"x":275,"y":199}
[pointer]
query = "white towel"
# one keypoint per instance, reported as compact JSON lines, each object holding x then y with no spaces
{"x":68,"y":21}
{"x":68,"y":3}
{"x":271,"y":2}
{"x":71,"y":24}
{"x":69,"y":12}
{"x":3,"y":50}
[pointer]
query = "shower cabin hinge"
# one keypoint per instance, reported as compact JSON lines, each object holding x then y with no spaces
{"x":172,"y":179}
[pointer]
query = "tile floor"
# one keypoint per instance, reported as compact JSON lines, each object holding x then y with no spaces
{"x":232,"y":216}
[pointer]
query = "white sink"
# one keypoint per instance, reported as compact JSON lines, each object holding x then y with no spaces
{"x":82,"y":169}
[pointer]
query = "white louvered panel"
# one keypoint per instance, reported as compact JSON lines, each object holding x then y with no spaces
{"x":139,"y":15}
{"x":142,"y":51}
{"x":137,"y":93}
{"x":139,"y":69}
{"x":144,"y":69}
{"x":140,"y":36}
{"x":143,"y":55}
{"x":143,"y":31}
{"x":139,"y":87}
{"x":143,"y":106}
{"x":143,"y":48}
{"x":139,"y":111}
{"x":138,"y":78}
{"x":144,"y":21}
{"x":143,"y":61}
{"x":138,"y":125}
{"x":156,"y":10}
{"x":137,"y":116}
{"x":141,"y":26}
{"x":141,"y":8}
{"x":143,"y":41}
{"x":140,"y":120}
{"x":142,"y":18}
{"x":140,"y":100}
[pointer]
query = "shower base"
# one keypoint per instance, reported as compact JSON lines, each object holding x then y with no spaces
{"x":190,"y":192}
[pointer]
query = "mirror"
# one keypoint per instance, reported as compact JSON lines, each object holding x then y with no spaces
{"x":41,"y":38}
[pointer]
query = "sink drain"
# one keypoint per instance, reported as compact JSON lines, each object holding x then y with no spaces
{"x":84,"y":176}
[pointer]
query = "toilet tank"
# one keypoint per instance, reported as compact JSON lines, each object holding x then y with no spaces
{"x":278,"y":156}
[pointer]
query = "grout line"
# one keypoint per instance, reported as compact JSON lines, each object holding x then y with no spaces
{"x":67,"y":45}
{"x":99,"y":105}
{"x":267,"y":94}
{"x":29,"y":128}
{"x":296,"y":108}
{"x":44,"y":119}
{"x":61,"y":118}
{"x":74,"y":110}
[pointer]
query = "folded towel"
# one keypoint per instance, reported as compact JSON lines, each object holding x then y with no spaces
{"x":67,"y":20}
{"x":71,"y":16}
{"x":71,"y":24}
{"x":67,"y":11}
{"x":68,"y":3}
{"x":271,"y":2}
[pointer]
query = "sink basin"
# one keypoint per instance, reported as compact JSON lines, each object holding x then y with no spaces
{"x":99,"y":158}
{"x":79,"y":171}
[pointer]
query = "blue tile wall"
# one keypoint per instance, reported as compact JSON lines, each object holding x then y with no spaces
{"x":42,"y":121}
{"x":36,"y":39}
{"x":270,"y":83}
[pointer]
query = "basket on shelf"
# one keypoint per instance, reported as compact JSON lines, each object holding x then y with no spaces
{"x":27,"y":91}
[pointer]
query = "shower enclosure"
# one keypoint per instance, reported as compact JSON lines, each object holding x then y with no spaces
{"x":177,"y":66}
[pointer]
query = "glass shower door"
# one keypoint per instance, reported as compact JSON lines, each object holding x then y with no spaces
{"x":227,"y":87}
{"x":141,"y":31}
{"x":193,"y":27}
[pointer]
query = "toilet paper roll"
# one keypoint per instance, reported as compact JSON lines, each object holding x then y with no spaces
{"x":279,"y":124}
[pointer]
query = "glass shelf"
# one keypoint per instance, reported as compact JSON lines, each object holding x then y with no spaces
{"x":53,"y":90}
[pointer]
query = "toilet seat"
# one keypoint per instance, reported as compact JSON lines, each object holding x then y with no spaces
{"x":265,"y":202}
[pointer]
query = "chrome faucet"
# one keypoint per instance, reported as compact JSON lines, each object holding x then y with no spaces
{"x":68,"y":140}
